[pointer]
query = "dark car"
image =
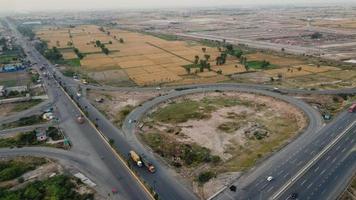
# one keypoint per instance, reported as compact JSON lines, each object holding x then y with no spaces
{"x":294,"y":195}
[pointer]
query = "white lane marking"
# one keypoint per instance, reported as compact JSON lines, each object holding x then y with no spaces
{"x":333,"y":160}
{"x":305,"y":180}
{"x":344,"y":149}
{"x":315,"y":170}
{"x":285,"y":175}
{"x":327,"y":158}
{"x":309,"y":185}
{"x":322,"y":172}
{"x":270,"y":189}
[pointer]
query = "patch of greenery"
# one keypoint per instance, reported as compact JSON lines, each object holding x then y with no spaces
{"x":15,"y":168}
{"x":205,"y":176}
{"x":24,"y":121}
{"x":75,"y":62}
{"x":121,"y":115}
{"x":183,"y":111}
{"x":22,"y":139}
{"x":54,"y":133}
{"x":59,"y":187}
{"x":6,"y":59}
{"x":189,"y":154}
{"x":230,"y":127}
{"x":25,"y":105}
{"x":256,"y":64}
{"x":69,"y":72}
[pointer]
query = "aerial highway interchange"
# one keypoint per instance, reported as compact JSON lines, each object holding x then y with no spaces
{"x":316,"y":165}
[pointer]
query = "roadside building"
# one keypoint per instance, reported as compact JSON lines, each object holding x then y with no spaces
{"x":41,"y":135}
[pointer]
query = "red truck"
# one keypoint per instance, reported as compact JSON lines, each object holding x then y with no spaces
{"x":352,"y":108}
{"x":148,"y":164}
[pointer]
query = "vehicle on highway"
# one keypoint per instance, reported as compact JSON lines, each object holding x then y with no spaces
{"x":269,"y":178}
{"x":294,"y":195}
{"x":80,"y":119}
{"x":78,"y":94}
{"x":136,"y":158}
{"x":352,"y":108}
{"x":147,"y":164}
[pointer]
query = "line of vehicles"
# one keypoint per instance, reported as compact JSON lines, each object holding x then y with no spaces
{"x":141,"y":160}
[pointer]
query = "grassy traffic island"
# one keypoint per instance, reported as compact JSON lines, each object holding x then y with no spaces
{"x":40,"y":179}
{"x":48,"y":137}
{"x":210,"y":137}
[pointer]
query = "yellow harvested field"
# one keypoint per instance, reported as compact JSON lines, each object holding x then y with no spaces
{"x":144,"y":58}
{"x":275,"y":60}
{"x":69,"y":55}
{"x":299,"y":70}
{"x":207,"y":74}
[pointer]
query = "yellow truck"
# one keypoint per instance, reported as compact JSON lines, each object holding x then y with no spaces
{"x":136,"y":158}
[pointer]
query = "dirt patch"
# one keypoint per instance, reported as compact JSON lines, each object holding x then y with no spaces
{"x":115,"y":103}
{"x":236,"y":129}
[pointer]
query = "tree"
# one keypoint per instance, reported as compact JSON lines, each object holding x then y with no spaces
{"x":196,"y":59}
{"x":98,"y":43}
{"x":110,"y":42}
{"x":121,"y":40}
{"x":207,"y":57}
{"x":105,"y":50}
{"x":203,"y":49}
{"x":229,"y":48}
{"x":187,"y":69}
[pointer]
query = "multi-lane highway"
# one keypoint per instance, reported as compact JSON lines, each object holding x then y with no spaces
{"x":286,"y":166}
{"x":86,"y":140}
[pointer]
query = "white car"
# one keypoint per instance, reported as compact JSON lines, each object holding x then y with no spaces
{"x":78,"y":94}
{"x":270,"y":178}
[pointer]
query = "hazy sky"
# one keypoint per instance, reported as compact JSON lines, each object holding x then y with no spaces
{"x":40,"y":5}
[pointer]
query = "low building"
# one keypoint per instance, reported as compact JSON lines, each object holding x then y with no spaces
{"x":41,"y":135}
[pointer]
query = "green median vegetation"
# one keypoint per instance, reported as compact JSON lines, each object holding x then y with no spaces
{"x":60,"y":187}
{"x":11,"y":169}
{"x":121,"y":115}
{"x":25,"y":105}
{"x":24,"y":121}
{"x":21,"y":139}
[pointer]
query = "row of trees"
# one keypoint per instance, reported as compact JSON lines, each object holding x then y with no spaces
{"x":102,"y":46}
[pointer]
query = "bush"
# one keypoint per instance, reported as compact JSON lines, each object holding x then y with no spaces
{"x":205,"y":176}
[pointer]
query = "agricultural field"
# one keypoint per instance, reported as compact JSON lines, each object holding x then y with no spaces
{"x":144,"y":59}
{"x":208,"y":137}
{"x":15,"y":78}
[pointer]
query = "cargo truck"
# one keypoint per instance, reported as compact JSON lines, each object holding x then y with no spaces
{"x":136,"y":158}
{"x":147,"y":164}
{"x":352,"y":108}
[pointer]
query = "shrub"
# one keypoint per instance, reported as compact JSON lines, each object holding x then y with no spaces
{"x":205,"y":176}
